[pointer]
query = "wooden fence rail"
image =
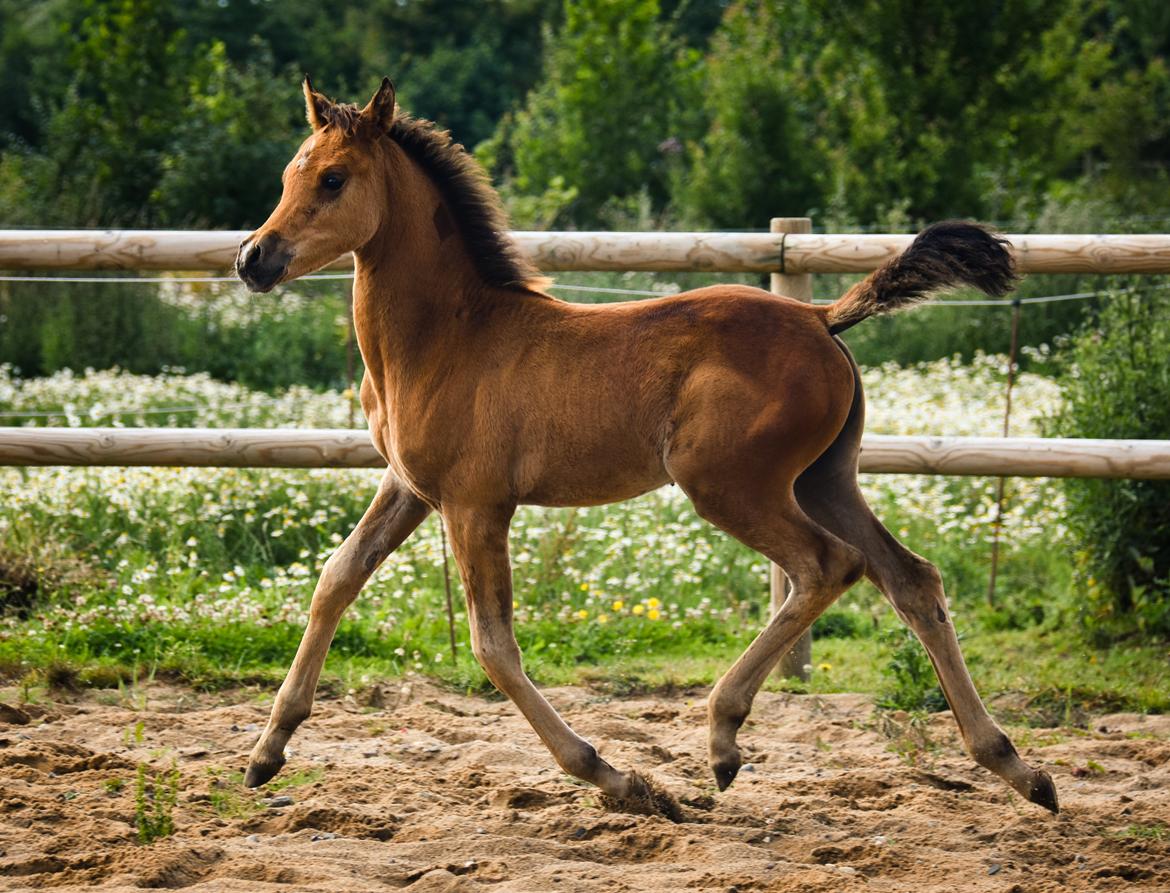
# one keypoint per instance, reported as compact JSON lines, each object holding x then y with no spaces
{"x":347,"y":448}
{"x":787,"y":253}
{"x":791,"y":252}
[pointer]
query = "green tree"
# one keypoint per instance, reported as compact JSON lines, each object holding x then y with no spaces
{"x":462,"y":64}
{"x":604,"y":121}
{"x":937,"y":107}
{"x":753,"y":163}
{"x":108,"y":138}
{"x":222,"y":165}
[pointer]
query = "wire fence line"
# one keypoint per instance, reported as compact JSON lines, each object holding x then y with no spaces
{"x":596,"y":289}
{"x":88,"y":412}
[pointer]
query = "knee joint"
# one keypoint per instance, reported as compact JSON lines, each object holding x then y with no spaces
{"x":854,"y":567}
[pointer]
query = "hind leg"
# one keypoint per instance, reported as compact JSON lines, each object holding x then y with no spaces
{"x":820,"y":565}
{"x":914,"y":588}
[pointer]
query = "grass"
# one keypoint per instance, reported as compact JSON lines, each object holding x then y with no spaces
{"x":229,"y":799}
{"x":155,"y":797}
{"x":294,"y":779}
{"x":1154,"y":831}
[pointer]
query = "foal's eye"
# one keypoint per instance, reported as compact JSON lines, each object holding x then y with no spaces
{"x":332,"y":182}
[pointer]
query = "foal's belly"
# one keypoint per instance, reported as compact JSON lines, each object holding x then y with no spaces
{"x":581,"y":478}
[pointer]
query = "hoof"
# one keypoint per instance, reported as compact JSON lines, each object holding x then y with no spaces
{"x":725,"y":774}
{"x":259,"y":773}
{"x":1043,"y":792}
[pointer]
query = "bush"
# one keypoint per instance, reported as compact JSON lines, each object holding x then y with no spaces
{"x":1117,"y":385}
{"x":293,"y":336}
{"x":910,"y":682}
{"x":838,"y":624}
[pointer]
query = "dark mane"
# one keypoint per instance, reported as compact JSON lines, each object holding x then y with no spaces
{"x":471,"y":199}
{"x":469,"y":194}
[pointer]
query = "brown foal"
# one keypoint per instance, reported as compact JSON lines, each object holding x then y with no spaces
{"x":483,"y":392}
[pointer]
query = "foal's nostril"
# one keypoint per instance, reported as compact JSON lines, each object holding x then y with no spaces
{"x":243,"y":255}
{"x":253,"y":250}
{"x":261,"y":262}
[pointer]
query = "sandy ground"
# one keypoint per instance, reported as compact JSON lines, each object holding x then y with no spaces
{"x":430,"y":791}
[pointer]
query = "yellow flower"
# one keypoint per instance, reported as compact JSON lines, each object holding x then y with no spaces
{"x":638,"y":609}
{"x":653,"y":603}
{"x":653,"y":614}
{"x":583,"y":614}
{"x":618,"y":605}
{"x":603,"y":618}
{"x":824,"y":668}
{"x":584,"y":587}
{"x":515,"y":604}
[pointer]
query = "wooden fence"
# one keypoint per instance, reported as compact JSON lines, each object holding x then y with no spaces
{"x":349,"y":448}
{"x":780,"y":252}
{"x":790,"y":252}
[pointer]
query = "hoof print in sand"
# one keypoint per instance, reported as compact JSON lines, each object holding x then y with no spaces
{"x":337,"y":822}
{"x":649,"y":800}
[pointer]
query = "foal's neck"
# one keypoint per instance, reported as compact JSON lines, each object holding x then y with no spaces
{"x":416,"y":286}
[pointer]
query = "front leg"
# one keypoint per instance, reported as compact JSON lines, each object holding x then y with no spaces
{"x":391,"y":518}
{"x":479,"y":540}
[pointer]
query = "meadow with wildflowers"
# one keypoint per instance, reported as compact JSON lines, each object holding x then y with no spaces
{"x":206,"y":574}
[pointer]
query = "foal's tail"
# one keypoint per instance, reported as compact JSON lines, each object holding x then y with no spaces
{"x":943,"y":256}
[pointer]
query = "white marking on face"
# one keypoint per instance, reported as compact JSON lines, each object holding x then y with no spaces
{"x":304,"y":159}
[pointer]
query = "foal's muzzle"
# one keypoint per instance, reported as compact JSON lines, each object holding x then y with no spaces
{"x":261,"y":263}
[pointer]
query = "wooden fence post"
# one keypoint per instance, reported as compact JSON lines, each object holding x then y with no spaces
{"x":799,"y":286}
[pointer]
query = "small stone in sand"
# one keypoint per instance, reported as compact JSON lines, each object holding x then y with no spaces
{"x":13,"y":715}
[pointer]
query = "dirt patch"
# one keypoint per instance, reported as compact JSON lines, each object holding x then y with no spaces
{"x":25,"y":579}
{"x":432,"y":791}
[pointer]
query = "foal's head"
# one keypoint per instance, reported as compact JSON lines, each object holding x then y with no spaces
{"x":333,"y":197}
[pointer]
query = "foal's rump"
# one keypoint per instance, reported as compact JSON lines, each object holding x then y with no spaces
{"x":762,"y":389}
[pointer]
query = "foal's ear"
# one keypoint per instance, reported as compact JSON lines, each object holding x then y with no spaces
{"x":317,"y":106}
{"x":379,"y":111}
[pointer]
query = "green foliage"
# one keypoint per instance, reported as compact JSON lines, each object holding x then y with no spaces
{"x":155,"y":796}
{"x":145,"y":113}
{"x":1117,"y":387}
{"x":296,"y":336}
{"x":910,"y":681}
{"x":223,"y":160}
{"x":108,"y":138}
{"x":154,"y":114}
{"x":942,"y":108}
{"x":753,"y":162}
{"x":585,"y":126}
{"x":838,"y":624}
